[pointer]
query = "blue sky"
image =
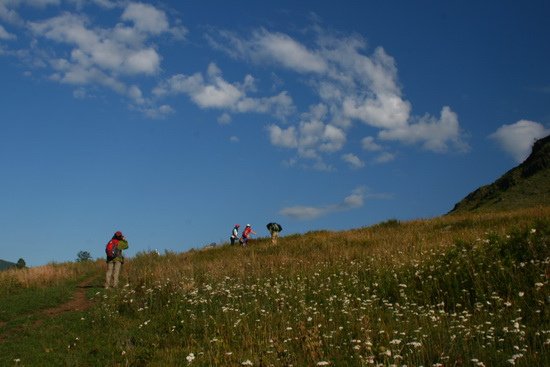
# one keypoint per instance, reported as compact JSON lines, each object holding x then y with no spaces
{"x":173,"y":120}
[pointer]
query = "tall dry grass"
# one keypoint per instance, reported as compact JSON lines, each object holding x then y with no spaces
{"x":387,"y":244}
{"x":46,"y":275}
{"x":453,"y":290}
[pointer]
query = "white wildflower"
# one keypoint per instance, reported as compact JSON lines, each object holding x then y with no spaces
{"x":190,"y":357}
{"x":248,"y":362}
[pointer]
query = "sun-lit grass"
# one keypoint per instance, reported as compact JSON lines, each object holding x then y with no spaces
{"x":457,"y":290}
{"x":40,"y":276}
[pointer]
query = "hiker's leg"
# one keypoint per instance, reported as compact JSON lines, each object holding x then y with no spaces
{"x":109,"y":274}
{"x":274,"y":237}
{"x":117,"y":265}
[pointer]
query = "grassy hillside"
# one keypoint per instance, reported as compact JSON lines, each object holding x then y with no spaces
{"x":526,"y":185}
{"x":461,"y":290}
{"x":6,"y":265}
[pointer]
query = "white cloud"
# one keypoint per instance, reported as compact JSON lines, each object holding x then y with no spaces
{"x":76,"y":50}
{"x":9,"y":15}
{"x":285,"y":138}
{"x":355,"y":199}
{"x":146,"y":18}
{"x":5,"y":35}
{"x":384,"y":157}
{"x":352,"y":201}
{"x":96,"y":47}
{"x":309,"y":138}
{"x":351,"y":85}
{"x":158,"y":112}
{"x":135,"y":94}
{"x":304,"y":212}
{"x":283,"y":49}
{"x":42,"y":3}
{"x":271,"y":47}
{"x":370,"y":145}
{"x":353,"y":160}
{"x":434,"y":134}
{"x":216,"y":92}
{"x":517,"y":139}
{"x":234,"y":139}
{"x":385,"y":111}
{"x":224,"y":119}
{"x":333,"y":139}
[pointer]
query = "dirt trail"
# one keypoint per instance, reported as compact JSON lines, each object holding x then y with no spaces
{"x":78,"y":302}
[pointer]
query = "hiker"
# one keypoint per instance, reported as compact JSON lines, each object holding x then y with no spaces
{"x":274,"y":229}
{"x":234,"y":234}
{"x":113,"y":250}
{"x":246,"y":234}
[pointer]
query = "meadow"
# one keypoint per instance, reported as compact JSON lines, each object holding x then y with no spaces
{"x":457,"y":290}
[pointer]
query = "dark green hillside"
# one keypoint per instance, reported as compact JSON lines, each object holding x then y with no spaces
{"x":6,"y":265}
{"x":524,"y":186}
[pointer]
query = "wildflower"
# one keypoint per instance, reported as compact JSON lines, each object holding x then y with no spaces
{"x":521,"y":294}
{"x":323,"y":363}
{"x":533,"y":230}
{"x":190,"y":357}
{"x":248,"y":362}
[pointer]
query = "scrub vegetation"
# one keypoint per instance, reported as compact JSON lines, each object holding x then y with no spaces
{"x":457,"y":290}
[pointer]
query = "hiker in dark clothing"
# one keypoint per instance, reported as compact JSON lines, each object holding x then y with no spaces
{"x":274,"y":229}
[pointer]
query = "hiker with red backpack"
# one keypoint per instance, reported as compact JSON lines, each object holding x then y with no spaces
{"x":247,"y":232}
{"x":113,"y":250}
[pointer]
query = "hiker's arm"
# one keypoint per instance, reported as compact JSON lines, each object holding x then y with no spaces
{"x":123,"y":244}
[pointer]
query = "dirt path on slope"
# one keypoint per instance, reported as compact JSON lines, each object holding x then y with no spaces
{"x":78,"y":302}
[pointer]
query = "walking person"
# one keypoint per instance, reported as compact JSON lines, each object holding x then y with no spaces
{"x":274,"y":229}
{"x":247,"y":232}
{"x":234,"y":234}
{"x":113,"y":250}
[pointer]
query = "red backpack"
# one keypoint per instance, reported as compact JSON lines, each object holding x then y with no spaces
{"x":111,"y":249}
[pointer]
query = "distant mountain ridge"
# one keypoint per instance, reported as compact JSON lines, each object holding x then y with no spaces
{"x":6,"y":264}
{"x":526,"y":185}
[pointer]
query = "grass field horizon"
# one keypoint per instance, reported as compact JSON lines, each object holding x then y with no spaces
{"x":457,"y":290}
